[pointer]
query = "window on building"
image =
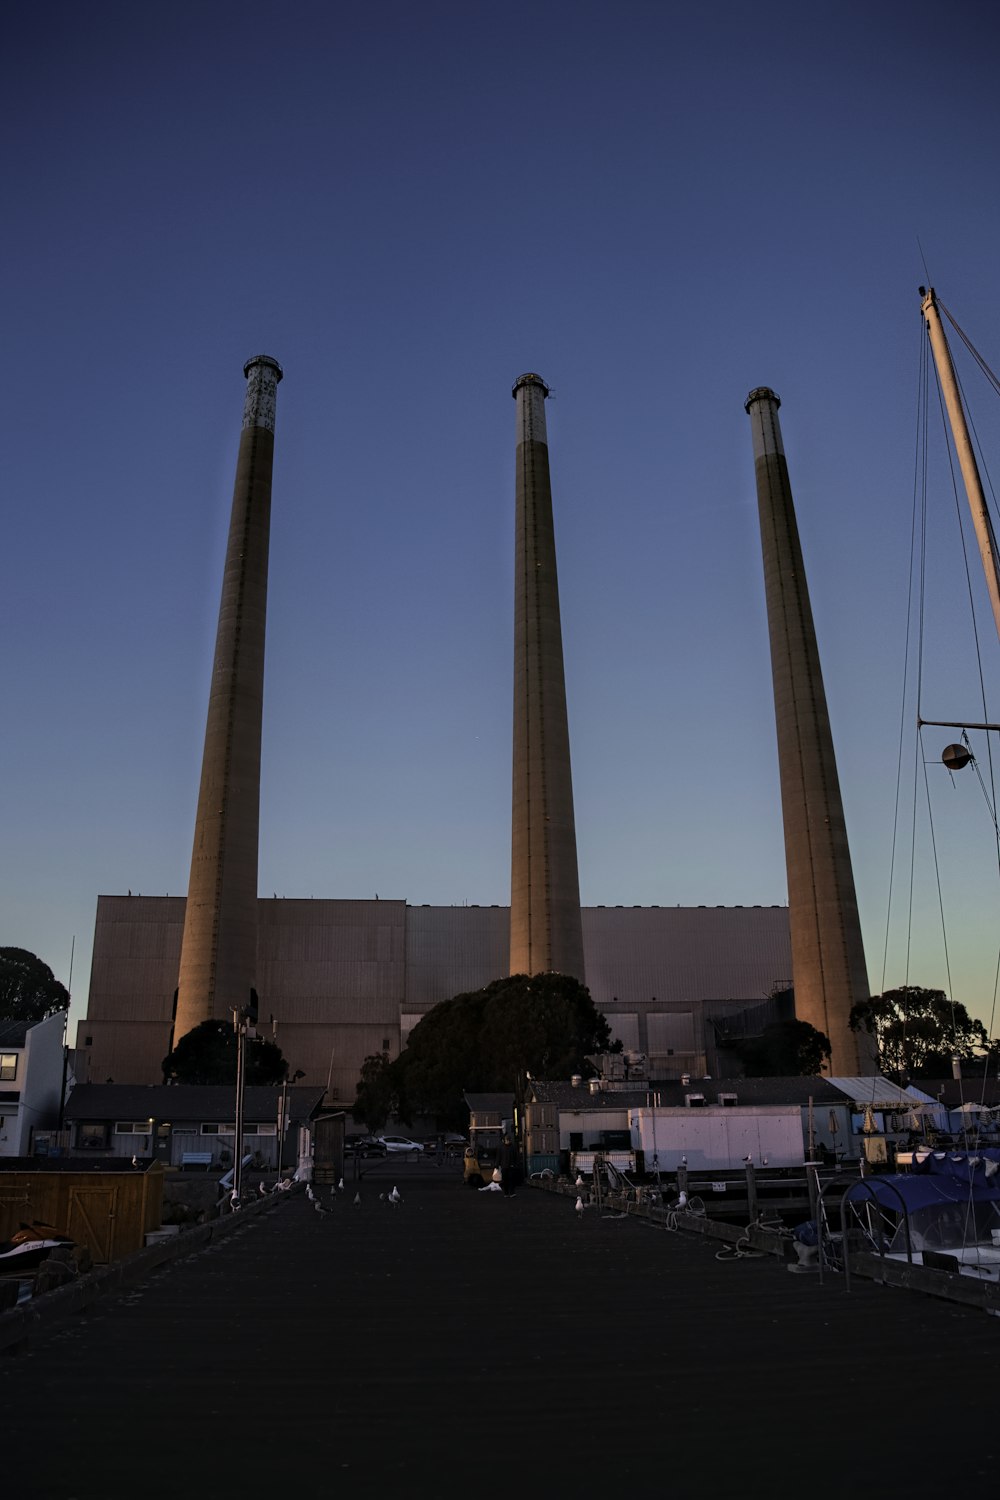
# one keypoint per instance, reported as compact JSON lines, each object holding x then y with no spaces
{"x":216,"y":1129}
{"x":133,"y":1127}
{"x":8,"y":1066}
{"x":262,"y":1128}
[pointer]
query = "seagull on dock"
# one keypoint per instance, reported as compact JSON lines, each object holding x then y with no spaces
{"x":309,"y":1193}
{"x":262,"y":1189}
{"x":394,"y":1197}
{"x":579,"y":1181}
{"x":317,"y":1205}
{"x":579,"y":1206}
{"x":357,"y":1199}
{"x":340,"y":1186}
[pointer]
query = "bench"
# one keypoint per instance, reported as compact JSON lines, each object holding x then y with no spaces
{"x":196,"y":1159}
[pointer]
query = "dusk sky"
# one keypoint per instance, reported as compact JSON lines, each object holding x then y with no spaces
{"x":657,"y":207}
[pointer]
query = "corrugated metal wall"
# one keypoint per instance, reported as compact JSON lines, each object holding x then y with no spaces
{"x":684,"y":953}
{"x":673,"y":1032}
{"x":451,"y":950}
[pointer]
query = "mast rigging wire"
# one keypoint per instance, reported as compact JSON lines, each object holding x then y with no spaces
{"x":918,"y":600}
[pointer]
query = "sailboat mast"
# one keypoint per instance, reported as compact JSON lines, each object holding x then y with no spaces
{"x":963,"y":446}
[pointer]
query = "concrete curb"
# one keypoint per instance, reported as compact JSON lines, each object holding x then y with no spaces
{"x":45,"y":1313}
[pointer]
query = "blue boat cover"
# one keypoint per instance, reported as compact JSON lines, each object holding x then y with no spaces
{"x":939,"y":1177}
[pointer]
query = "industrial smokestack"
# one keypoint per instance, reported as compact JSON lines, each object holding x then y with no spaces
{"x":219,"y":948}
{"x":828,"y":960}
{"x":546,"y":931}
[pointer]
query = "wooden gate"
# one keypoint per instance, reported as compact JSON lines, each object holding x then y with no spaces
{"x":92,"y":1218}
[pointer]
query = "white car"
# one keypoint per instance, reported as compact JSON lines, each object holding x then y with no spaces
{"x":401,"y":1144}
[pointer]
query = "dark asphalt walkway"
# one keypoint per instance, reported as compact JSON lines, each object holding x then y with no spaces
{"x":463,"y":1344}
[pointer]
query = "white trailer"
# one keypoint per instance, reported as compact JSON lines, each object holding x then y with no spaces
{"x":718,"y":1138}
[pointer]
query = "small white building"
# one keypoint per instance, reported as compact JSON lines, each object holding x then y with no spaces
{"x":31,"y":1080}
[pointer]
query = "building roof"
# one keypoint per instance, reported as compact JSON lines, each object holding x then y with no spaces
{"x":672,"y":1093}
{"x":491,"y":1104}
{"x":186,"y":1101}
{"x":955,"y":1091}
{"x":13,"y":1033}
{"x":578,"y":1096}
{"x":875,"y":1091}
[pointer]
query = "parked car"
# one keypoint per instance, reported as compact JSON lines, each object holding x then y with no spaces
{"x":449,"y":1144}
{"x":365,"y":1145}
{"x":401,"y":1144}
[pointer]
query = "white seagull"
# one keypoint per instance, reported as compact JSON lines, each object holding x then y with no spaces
{"x":262,"y":1189}
{"x":357,"y":1199}
{"x":394,"y":1197}
{"x":579,"y":1181}
{"x":309,"y":1193}
{"x":579,"y":1205}
{"x":340,"y":1186}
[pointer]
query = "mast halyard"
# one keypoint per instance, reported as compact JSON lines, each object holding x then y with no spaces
{"x":985,"y":535}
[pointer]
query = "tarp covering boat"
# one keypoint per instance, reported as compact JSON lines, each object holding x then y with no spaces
{"x":951,"y":1199}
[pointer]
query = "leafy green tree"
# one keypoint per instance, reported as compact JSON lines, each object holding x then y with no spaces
{"x":29,"y":991}
{"x":207,"y":1054}
{"x":376,"y":1092}
{"x":545,"y":1024}
{"x":918,"y":1031}
{"x":785,"y":1049}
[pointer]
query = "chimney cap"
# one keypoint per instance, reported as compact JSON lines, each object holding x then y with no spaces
{"x":761,"y":393}
{"x":262,"y":359}
{"x":528,"y":379}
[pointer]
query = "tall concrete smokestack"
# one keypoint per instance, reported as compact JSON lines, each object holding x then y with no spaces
{"x":546,"y":932}
{"x":828,"y":958}
{"x":219,"y":948}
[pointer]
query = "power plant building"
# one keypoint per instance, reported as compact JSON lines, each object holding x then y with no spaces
{"x":345,"y":979}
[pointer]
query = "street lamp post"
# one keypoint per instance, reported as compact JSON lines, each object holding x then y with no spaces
{"x":245,"y":1030}
{"x":283,"y":1114}
{"x":282,"y":1122}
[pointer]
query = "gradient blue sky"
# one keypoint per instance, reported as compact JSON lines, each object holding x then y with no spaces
{"x":657,"y":207}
